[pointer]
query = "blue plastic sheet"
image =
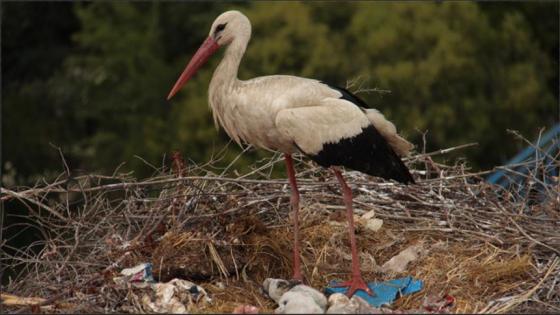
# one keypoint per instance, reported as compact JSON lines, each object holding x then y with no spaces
{"x":385,"y":292}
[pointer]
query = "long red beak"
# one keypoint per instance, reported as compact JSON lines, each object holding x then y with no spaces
{"x":207,"y":49}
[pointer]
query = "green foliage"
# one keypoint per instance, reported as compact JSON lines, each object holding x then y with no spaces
{"x":454,"y":74}
{"x":94,"y":82}
{"x":117,"y":91}
{"x":32,"y":46}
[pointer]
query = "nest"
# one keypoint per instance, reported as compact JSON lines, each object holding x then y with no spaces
{"x":491,"y":251}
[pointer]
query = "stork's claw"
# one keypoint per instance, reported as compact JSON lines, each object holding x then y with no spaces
{"x":297,"y":277}
{"x":357,"y":283}
{"x":295,"y":281}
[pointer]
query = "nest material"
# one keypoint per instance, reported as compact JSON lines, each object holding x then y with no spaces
{"x":492,"y":252}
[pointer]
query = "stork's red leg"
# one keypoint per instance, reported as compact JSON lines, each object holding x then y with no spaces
{"x":357,"y":282}
{"x":294,"y":201}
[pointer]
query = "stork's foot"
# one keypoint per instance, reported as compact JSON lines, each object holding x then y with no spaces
{"x":293,"y":282}
{"x":357,"y":283}
{"x":297,"y":278}
{"x":296,"y":275}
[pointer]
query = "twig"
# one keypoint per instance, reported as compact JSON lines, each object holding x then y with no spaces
{"x":21,"y":196}
{"x":441,"y":151}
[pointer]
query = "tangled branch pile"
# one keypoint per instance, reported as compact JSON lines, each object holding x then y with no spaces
{"x":491,"y":251}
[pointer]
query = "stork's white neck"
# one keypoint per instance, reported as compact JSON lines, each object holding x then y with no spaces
{"x":224,"y":82}
{"x":225,"y":75}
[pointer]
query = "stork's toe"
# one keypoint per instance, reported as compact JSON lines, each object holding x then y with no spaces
{"x":357,"y":283}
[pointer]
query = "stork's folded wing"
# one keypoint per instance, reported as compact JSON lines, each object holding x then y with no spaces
{"x":337,"y":132}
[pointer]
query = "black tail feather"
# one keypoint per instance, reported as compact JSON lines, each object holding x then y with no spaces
{"x":367,"y":152}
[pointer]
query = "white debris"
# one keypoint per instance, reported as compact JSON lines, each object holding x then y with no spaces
{"x":134,"y":270}
{"x":369,"y":221}
{"x":174,"y":297}
{"x":368,"y":215}
{"x":220,"y":285}
{"x":363,"y":307}
{"x":275,"y":288}
{"x":246,"y":309}
{"x":139,"y":276}
{"x":340,"y":304}
{"x":374,"y":224}
{"x":295,"y":299}
{"x":399,"y":262}
{"x":165,"y":300}
{"x":318,"y":297}
{"x":298,"y":303}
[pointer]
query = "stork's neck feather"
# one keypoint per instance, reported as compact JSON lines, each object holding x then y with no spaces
{"x":225,"y":81}
{"x":225,"y":75}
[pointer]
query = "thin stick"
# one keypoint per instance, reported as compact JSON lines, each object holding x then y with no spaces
{"x":21,"y":196}
{"x":442,"y":151}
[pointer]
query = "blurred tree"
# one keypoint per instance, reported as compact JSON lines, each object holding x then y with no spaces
{"x":116,"y":87}
{"x":543,"y":22}
{"x":35,"y":41}
{"x":286,"y":40}
{"x":453,"y":73}
{"x":461,"y":72}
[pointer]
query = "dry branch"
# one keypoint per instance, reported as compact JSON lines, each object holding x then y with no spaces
{"x":207,"y":228}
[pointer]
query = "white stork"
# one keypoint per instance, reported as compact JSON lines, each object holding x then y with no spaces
{"x":290,"y":114}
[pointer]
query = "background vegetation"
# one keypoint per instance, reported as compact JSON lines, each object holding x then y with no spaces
{"x":91,"y":78}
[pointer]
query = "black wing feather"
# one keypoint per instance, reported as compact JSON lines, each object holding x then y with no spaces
{"x":367,"y":152}
{"x":347,"y":95}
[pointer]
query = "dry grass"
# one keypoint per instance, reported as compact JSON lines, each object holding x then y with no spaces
{"x":492,"y":253}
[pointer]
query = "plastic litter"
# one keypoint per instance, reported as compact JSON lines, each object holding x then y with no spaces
{"x":298,"y":303}
{"x":368,"y":215}
{"x":295,"y":298}
{"x":175,"y":297}
{"x":399,"y":262}
{"x":374,"y":224}
{"x":275,"y":288}
{"x":139,"y":276}
{"x":385,"y":292}
{"x":340,"y":304}
{"x":246,"y":309}
{"x":438,"y":304}
{"x":369,"y":221}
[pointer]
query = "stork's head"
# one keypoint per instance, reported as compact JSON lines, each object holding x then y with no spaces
{"x":230,"y":26}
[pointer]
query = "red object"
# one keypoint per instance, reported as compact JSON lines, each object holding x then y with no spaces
{"x":294,"y":201}
{"x":357,"y":282}
{"x":442,"y":305}
{"x":207,"y":49}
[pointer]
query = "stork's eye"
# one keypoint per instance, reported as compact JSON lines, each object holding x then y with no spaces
{"x":220,"y":27}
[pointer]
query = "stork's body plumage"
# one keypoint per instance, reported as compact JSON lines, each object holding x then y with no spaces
{"x":292,"y":114}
